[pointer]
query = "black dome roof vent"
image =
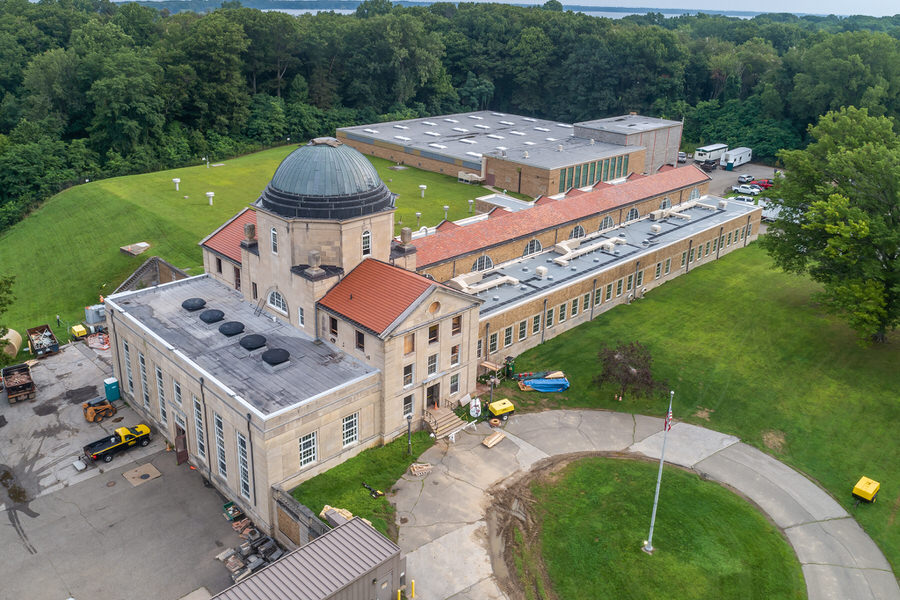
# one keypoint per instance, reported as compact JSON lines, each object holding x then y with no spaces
{"x":212,"y":316}
{"x":192,"y":304}
{"x":254,"y":341}
{"x":231,"y":328}
{"x":275,"y":356}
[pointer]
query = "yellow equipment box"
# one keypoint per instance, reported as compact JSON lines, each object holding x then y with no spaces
{"x":501,"y":408}
{"x":866,"y":489}
{"x":79,"y":331}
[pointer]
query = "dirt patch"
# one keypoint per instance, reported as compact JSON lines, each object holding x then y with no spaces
{"x":42,"y":410}
{"x":82,"y":394}
{"x":774,"y":440}
{"x":704,"y":413}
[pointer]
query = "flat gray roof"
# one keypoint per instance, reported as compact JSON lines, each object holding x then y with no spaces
{"x":672,"y":230}
{"x":468,"y":136}
{"x":321,"y":568}
{"x":313,"y":368}
{"x":628,"y":124}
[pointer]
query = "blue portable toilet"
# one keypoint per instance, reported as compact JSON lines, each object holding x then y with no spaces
{"x":111,"y":385}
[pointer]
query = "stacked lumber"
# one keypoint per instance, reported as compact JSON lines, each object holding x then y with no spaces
{"x":419,"y":469}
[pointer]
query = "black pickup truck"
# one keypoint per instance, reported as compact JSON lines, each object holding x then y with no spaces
{"x":122,"y":438}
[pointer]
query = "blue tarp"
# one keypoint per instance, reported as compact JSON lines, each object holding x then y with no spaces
{"x":548,"y":385}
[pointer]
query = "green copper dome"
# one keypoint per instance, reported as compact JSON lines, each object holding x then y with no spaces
{"x":326,"y":179}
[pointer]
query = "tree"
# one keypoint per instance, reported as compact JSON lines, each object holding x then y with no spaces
{"x":840,"y":218}
{"x":627,"y":366}
{"x":6,"y":283}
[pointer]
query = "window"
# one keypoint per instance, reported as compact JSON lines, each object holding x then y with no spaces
{"x":585,"y":302}
{"x":456,"y":325}
{"x":619,"y":288}
{"x":598,"y":296}
{"x":454,"y":355}
{"x":144,"y":390}
{"x":575,"y":307}
{"x":666,"y":203}
{"x":532,"y":247}
{"x":198,"y":429}
{"x":729,"y":239}
{"x":577,"y":232}
{"x":668,"y":265}
{"x":606,"y":223}
{"x":360,"y":340}
{"x":630,"y":282}
{"x":549,"y":319}
{"x":523,"y":330}
{"x":632,"y":214}
{"x":507,"y":337}
{"x":366,"y":243}
{"x":350,"y":429}
{"x":409,"y":343}
{"x":308,"y":449}
{"x":691,"y":256}
{"x":684,"y":258}
{"x":176,"y":387}
{"x":432,"y":364}
{"x":254,"y":290}
{"x":454,"y":383}
{"x":749,"y":228}
{"x":721,"y":241}
{"x":408,"y":374}
{"x":161,"y":396}
{"x":658,"y":271}
{"x":640,"y":279}
{"x":742,"y":233}
{"x":479,"y":348}
{"x":535,"y":324}
{"x":562,"y":313}
{"x":273,"y":235}
{"x":492,"y":343}
{"x":243,"y":466}
{"x":706,"y":252}
{"x":220,"y":445}
{"x":277,"y":301}
{"x":695,"y":193}
{"x":237,"y":279}
{"x":715,"y":244}
{"x":218,"y":265}
{"x":483,"y":263}
{"x":332,"y":326}
{"x":301,"y":317}
{"x":127,"y":353}
{"x":433,"y":334}
{"x":407,"y":406}
{"x":608,"y":291}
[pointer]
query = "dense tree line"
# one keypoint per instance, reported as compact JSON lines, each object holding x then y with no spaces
{"x":92,"y":89}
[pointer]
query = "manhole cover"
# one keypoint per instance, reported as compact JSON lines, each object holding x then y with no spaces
{"x":110,"y":483}
{"x":145,"y":476}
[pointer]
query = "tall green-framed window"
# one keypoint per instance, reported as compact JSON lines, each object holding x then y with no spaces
{"x":569,"y":172}
{"x":584,"y":175}
{"x":577,"y":175}
{"x":562,"y":180}
{"x":618,"y":166}
{"x":625,"y":168}
{"x":593,"y":166}
{"x":605,"y":169}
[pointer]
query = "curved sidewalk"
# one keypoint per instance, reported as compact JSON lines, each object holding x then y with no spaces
{"x":444,"y":535}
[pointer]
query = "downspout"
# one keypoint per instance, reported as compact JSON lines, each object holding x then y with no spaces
{"x":637,"y":267}
{"x":252,"y":464}
{"x":719,"y":242}
{"x":206,"y":432}
{"x":544,"y":319}
{"x":747,"y":232}
{"x":593,"y":298}
{"x":487,"y":337}
{"x":687,"y":259}
{"x":112,"y":322}
{"x":316,"y":319}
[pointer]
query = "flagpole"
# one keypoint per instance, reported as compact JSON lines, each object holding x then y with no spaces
{"x":648,"y":545}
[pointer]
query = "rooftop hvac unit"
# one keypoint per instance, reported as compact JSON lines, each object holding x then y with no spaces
{"x":655,"y":228}
{"x":559,"y":148}
{"x":723,"y":204}
{"x":525,"y":154}
{"x":541,"y":271}
{"x":657,"y":215}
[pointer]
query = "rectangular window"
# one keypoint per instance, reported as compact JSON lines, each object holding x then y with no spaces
{"x":683,"y":258}
{"x":691,"y":256}
{"x":562,"y":313}
{"x":198,"y":429}
{"x":729,"y":239}
{"x":253,"y":288}
{"x":706,"y":252}
{"x":715,"y":245}
{"x":161,"y":396}
{"x":432,"y":364}
{"x":619,"y":287}
{"x":456,"y":325}
{"x":605,"y":169}
{"x":577,"y":175}
{"x":742,"y":233}
{"x":585,"y":302}
{"x":630,"y":283}
{"x":535,"y":324}
{"x":360,"y":341}
{"x":127,"y":353}
{"x":218,"y":265}
{"x":562,"y":180}
{"x":273,"y":236}
{"x":722,"y":241}
{"x":608,"y":291}
{"x":454,"y":355}
{"x":523,"y":330}
{"x":492,"y":343}
{"x":409,"y":343}
{"x":598,"y":296}
{"x":575,"y":307}
{"x":309,"y":450}
{"x":735,"y":236}
{"x":640,"y":279}
{"x":668,"y":265}
{"x":144,"y":391}
{"x":507,"y":337}
{"x":408,"y":374}
{"x":332,"y":326}
{"x":433,"y":334}
{"x":220,"y":445}
{"x":549,"y":320}
{"x":243,"y":465}
{"x":749,"y":228}
{"x":176,"y":387}
{"x":479,"y":348}
{"x":658,"y":271}
{"x":350,"y":429}
{"x":407,"y":406}
{"x":301,"y":317}
{"x":237,"y":279}
{"x":454,"y":383}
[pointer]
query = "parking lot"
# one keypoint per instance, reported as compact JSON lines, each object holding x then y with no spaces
{"x":98,"y":534}
{"x":722,"y":180}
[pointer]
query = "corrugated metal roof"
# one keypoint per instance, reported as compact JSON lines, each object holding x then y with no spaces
{"x":320,"y":568}
{"x":325,"y":167}
{"x":226,"y":240}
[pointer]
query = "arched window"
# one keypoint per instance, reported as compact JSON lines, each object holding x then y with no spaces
{"x":366,"y":243}
{"x":274,"y":237}
{"x":532,"y":247}
{"x":577,"y":232}
{"x":632,"y":214}
{"x":429,"y":276}
{"x":606,"y":223}
{"x":483,"y":263}
{"x":666,"y":203}
{"x":277,"y":301}
{"x":695,"y":193}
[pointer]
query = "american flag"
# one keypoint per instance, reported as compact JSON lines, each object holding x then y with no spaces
{"x":669,"y":419}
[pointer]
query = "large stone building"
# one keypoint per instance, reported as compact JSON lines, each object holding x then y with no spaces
{"x":314,"y":334}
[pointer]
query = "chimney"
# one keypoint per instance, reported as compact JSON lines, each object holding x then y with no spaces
{"x":315,"y":262}
{"x":559,"y":148}
{"x":250,"y":231}
{"x":406,"y":236}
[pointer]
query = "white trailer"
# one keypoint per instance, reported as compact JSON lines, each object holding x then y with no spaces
{"x":711,"y":152}
{"x":735,"y":157}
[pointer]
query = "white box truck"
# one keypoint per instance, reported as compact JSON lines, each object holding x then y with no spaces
{"x":735,"y":157}
{"x":711,"y":152}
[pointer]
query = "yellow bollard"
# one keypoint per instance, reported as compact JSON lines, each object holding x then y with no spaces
{"x":398,"y":594}
{"x":413,"y":581}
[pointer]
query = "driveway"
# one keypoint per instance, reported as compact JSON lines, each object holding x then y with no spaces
{"x":443,"y":514}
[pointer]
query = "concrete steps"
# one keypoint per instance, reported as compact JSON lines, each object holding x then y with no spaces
{"x":443,"y":422}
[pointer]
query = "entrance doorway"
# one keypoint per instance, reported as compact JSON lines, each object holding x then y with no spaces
{"x":433,"y":396}
{"x":181,"y":452}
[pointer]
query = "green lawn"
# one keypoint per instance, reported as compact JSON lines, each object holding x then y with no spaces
{"x":749,"y":354}
{"x":67,"y":253}
{"x":341,"y":486}
{"x":710,"y":543}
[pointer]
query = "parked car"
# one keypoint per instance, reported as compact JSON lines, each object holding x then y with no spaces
{"x":747,"y":199}
{"x":745,"y":189}
{"x":763,"y":183}
{"x":682,"y":157}
{"x":745,"y":178}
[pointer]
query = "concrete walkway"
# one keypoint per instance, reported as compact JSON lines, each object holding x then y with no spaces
{"x":442,"y":516}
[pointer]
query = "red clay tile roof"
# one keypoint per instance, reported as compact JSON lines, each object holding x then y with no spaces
{"x":374,"y":294}
{"x":226,"y":240}
{"x":445,"y":225}
{"x":482,"y":234}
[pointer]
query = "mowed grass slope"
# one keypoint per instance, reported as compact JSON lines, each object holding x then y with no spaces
{"x":748,"y":353}
{"x":66,"y":253}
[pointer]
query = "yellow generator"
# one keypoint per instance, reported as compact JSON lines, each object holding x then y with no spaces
{"x":501,"y":409}
{"x":865,"y":490}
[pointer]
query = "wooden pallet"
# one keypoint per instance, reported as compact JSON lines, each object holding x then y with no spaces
{"x":493,"y":439}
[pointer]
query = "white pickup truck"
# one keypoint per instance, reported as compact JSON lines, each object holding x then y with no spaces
{"x":745,"y":189}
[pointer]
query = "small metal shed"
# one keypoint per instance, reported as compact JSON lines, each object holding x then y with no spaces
{"x":351,"y":562}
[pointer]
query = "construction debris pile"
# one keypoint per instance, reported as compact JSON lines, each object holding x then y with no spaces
{"x":256,"y":552}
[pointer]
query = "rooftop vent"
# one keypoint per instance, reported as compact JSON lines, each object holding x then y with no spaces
{"x":655,"y":228}
{"x":212,"y":316}
{"x":192,"y":304}
{"x":231,"y":328}
{"x":723,"y":204}
{"x":495,"y":298}
{"x":541,"y":271}
{"x":276,"y":358}
{"x":254,"y":341}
